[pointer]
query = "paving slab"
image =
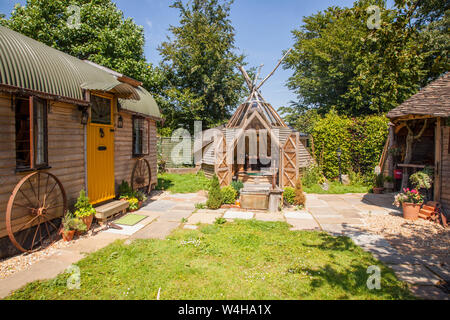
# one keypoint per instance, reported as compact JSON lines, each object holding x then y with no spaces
{"x":160,"y":206}
{"x":299,"y":215}
{"x":349,"y":213}
{"x":182,"y":196}
{"x":443,"y":271}
{"x":174,"y":216}
{"x":221,"y":211}
{"x":316,"y":203}
{"x":190,"y":227}
{"x":429,"y":293}
{"x":324,"y":211}
{"x":337,"y":220}
{"x":95,"y":243}
{"x":230,"y":214}
{"x":156,"y":230}
{"x":333,"y":229}
{"x":415,"y":274}
{"x":41,"y":270}
{"x":151,"y":215}
{"x":204,"y":218}
{"x":303,"y":224}
{"x":270,"y":217}
{"x":185,"y":207}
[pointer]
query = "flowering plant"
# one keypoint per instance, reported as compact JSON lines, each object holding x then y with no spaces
{"x":408,"y":196}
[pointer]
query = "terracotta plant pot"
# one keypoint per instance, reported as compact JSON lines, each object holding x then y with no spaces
{"x":88,"y":221}
{"x":411,"y":211}
{"x":378,"y":190}
{"x":68,"y":235}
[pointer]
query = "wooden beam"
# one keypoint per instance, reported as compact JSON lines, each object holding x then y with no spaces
{"x":438,"y":160}
{"x":270,"y":74}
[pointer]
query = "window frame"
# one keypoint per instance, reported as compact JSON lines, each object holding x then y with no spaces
{"x":32,"y":112}
{"x":147,"y":141}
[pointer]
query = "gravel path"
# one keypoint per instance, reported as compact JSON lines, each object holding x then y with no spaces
{"x":421,"y":237}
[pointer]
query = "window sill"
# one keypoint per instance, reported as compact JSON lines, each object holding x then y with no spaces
{"x":29,"y":170}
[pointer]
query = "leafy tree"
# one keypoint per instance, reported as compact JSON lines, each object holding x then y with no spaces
{"x":340,"y":63}
{"x":215,"y":196}
{"x":200,"y":62}
{"x":104,"y":35}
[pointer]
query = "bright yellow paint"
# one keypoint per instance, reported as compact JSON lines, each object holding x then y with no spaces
{"x":100,"y":163}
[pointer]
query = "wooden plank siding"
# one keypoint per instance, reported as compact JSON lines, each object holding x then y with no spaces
{"x":124,"y":160}
{"x":445,"y":168}
{"x":66,"y":146}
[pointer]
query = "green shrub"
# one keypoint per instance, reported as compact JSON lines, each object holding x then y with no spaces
{"x":379,"y":181}
{"x":312,"y":176}
{"x":124,"y":189}
{"x":421,"y":180}
{"x":360,"y":139}
{"x":200,"y":206}
{"x":215,"y":198}
{"x":289,"y":195}
{"x":220,"y":221}
{"x":133,"y":204}
{"x":83,"y":206}
{"x":238,"y":186}
{"x":229,"y":195}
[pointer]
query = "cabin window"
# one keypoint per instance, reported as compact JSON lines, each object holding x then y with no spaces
{"x":140,"y":136}
{"x":31,"y":133}
{"x":101,"y":110}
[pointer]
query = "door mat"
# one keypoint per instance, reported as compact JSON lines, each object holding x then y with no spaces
{"x":130,"y":220}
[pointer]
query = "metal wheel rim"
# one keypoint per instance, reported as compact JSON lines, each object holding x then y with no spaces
{"x":10,"y":206}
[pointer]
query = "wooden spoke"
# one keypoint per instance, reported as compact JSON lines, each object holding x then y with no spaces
{"x":141,"y":176}
{"x":30,"y":225}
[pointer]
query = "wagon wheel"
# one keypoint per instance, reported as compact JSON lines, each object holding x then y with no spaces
{"x":34,"y":208}
{"x":141,"y":176}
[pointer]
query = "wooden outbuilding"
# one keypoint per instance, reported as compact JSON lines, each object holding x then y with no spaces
{"x":420,"y":138}
{"x":256,"y":145}
{"x":66,"y":125}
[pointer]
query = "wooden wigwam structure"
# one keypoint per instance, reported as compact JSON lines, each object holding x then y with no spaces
{"x":420,"y":138}
{"x":254,"y":126}
{"x":66,"y":125}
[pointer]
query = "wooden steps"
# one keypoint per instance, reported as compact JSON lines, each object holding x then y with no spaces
{"x":110,"y":209}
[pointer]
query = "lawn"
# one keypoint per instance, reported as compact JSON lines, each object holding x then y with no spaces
{"x":241,"y":260}
{"x":182,"y":183}
{"x":337,"y":188}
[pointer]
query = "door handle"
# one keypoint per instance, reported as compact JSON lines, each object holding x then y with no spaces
{"x":102,"y":148}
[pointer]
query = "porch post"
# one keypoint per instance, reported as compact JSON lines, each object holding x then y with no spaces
{"x":437,"y":160}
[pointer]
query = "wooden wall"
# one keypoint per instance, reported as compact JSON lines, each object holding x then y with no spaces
{"x":65,"y":151}
{"x":124,"y":161}
{"x":445,"y":169}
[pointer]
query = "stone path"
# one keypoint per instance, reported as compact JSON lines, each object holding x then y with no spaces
{"x":339,"y":215}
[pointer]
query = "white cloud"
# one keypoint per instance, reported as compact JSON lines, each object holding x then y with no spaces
{"x":148,"y":23}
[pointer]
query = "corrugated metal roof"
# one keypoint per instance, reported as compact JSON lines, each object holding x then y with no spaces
{"x":146,"y":105}
{"x":28,"y":64}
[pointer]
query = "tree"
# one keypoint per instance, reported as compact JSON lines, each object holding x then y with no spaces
{"x":215,"y":197}
{"x":340,"y":63}
{"x":104,"y":36}
{"x":201,"y":65}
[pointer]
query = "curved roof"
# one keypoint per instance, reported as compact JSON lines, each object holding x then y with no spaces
{"x":31,"y":65}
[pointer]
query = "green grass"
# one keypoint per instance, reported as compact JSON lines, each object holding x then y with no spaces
{"x":242,"y":260}
{"x":182,"y":183}
{"x":337,"y":188}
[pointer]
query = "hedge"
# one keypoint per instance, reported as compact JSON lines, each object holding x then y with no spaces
{"x":361,"y":141}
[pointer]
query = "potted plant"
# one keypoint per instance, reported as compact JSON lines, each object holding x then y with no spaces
{"x":411,"y":201}
{"x":133,"y":204}
{"x":141,"y":197}
{"x":379,"y":183}
{"x":84,"y":209}
{"x":389,"y":183}
{"x":70,"y":225}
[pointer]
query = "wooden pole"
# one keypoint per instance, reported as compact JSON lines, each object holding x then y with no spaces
{"x":270,"y":74}
{"x":438,"y":160}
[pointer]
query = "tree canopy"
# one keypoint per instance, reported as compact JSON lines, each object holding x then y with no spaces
{"x":104,"y":35}
{"x":200,"y":64}
{"x":340,"y":63}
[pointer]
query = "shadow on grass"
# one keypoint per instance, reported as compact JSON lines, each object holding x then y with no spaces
{"x":164,"y":184}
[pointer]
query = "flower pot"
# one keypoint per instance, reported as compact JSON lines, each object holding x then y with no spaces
{"x":88,"y":221}
{"x":378,"y":190}
{"x":68,"y":235}
{"x":411,"y":211}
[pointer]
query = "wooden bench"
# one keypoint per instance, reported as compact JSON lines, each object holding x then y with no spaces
{"x":110,"y":209}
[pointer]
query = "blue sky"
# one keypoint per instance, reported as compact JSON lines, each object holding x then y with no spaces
{"x":262,"y":27}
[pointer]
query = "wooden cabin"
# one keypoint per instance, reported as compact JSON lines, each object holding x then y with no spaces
{"x":420,"y":137}
{"x":252,"y":119}
{"x":66,"y":124}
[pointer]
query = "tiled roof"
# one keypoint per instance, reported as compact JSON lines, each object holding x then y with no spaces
{"x":433,"y":100}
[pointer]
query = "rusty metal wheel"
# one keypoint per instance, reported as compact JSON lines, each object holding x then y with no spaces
{"x":34,"y":210}
{"x":141,"y":176}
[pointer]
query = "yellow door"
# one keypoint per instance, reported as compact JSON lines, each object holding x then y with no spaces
{"x":100,"y":149}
